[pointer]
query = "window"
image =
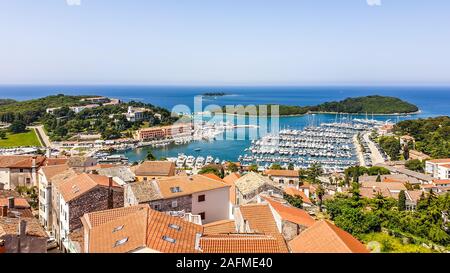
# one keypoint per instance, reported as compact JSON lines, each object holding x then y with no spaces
{"x":176,"y":227}
{"x":175,"y":189}
{"x":28,"y":180}
{"x":201,"y":198}
{"x":174,"y":204}
{"x":168,"y":239}
{"x":145,"y":178}
{"x":202,"y":215}
{"x":157,"y":207}
{"x":121,"y":242}
{"x":118,"y":228}
{"x":291,"y":182}
{"x":21,"y":170}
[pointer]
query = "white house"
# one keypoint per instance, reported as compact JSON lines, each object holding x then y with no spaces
{"x":199,"y":195}
{"x":438,"y":168}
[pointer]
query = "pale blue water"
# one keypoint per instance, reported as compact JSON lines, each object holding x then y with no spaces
{"x":433,"y":101}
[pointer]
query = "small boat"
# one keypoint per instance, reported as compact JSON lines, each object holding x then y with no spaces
{"x":197,"y":149}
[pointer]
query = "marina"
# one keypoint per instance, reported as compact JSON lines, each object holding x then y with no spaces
{"x":330,"y":144}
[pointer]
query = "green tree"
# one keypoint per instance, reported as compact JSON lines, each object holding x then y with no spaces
{"x":378,"y":178}
{"x":320,"y":193}
{"x":211,"y":169}
{"x":406,"y":151}
{"x":150,"y":156}
{"x":295,"y":201}
{"x":276,"y":167}
{"x":2,"y":134}
{"x":415,"y":165}
{"x":291,"y":166}
{"x":253,"y":168}
{"x":391,"y":145}
{"x":232,"y":167}
{"x":402,"y":201}
{"x":18,"y":126}
{"x":314,"y":171}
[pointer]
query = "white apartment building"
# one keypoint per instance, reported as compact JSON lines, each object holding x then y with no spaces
{"x":438,"y":168}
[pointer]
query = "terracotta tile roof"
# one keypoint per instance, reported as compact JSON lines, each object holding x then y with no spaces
{"x":10,"y":226}
{"x":305,"y":185}
{"x":159,"y":228}
{"x":440,"y":161}
{"x":239,"y":243}
{"x":55,"y":161}
{"x":392,"y":186}
{"x":291,"y":214}
{"x":53,"y":170}
{"x":231,"y":180}
{"x":447,"y":166}
{"x":18,"y":202}
{"x":16,"y":161}
{"x":261,"y":220}
{"x":187,"y":185}
{"x":441,"y":182}
{"x":80,"y":184}
{"x":284,"y":173}
{"x":220,"y":227}
{"x":155,"y":168}
{"x":294,"y":192}
{"x":132,"y":228}
{"x":213,"y":176}
{"x":324,"y":237}
{"x":107,"y":229}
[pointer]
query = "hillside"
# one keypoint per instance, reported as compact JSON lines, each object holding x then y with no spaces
{"x":432,"y":135}
{"x":359,"y":105}
{"x":369,"y":104}
{"x":32,"y":110}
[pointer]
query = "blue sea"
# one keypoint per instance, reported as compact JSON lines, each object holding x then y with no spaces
{"x":432,"y":101}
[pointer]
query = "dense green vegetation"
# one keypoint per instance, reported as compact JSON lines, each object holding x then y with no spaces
{"x":415,"y":165}
{"x":359,"y":105}
{"x":27,"y":139}
{"x":369,"y":104}
{"x":106,"y":120}
{"x":391,"y":146}
{"x":32,"y":110}
{"x":385,"y":243}
{"x":361,"y":216}
{"x":6,"y":101}
{"x":432,"y":135}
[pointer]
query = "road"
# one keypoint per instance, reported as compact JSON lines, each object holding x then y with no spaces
{"x":43,"y":136}
{"x":375,"y":154}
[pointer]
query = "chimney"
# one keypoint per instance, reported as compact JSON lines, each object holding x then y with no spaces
{"x":11,"y":202}
{"x":198,"y":236}
{"x":33,"y":162}
{"x":22,"y":232}
{"x":2,"y":246}
{"x":4,"y":211}
{"x":110,"y":182}
{"x":22,"y":228}
{"x":110,"y":193}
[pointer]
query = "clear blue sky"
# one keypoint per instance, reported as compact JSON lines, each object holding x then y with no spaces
{"x":214,"y":42}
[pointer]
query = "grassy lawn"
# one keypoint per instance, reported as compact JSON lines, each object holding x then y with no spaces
{"x":16,"y":140}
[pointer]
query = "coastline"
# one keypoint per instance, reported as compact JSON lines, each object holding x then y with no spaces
{"x":326,"y":113}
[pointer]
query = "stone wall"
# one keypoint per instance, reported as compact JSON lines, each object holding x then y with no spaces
{"x":96,"y":199}
{"x":184,"y":203}
{"x":291,"y":230}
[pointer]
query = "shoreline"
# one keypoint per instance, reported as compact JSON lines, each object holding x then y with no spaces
{"x":326,"y":113}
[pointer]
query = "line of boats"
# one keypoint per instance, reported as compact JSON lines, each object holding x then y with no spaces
{"x":185,"y":161}
{"x":330,"y":144}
